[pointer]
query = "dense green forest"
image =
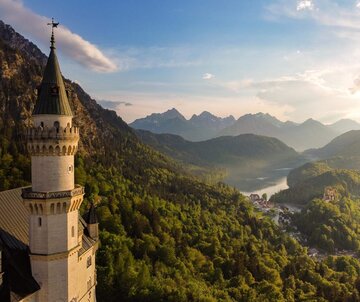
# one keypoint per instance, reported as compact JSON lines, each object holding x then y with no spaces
{"x":331,"y":225}
{"x":165,"y":235}
{"x":309,"y":181}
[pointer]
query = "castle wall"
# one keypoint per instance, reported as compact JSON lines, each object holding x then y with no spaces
{"x":52,"y":277}
{"x":87,"y":275}
{"x":52,"y":173}
{"x":55,"y":234}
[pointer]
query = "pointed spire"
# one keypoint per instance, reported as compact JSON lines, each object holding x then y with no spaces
{"x":52,"y":97}
{"x":52,"y":40}
{"x":53,"y":25}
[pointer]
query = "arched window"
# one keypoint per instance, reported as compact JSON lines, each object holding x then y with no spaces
{"x":56,"y":125}
{"x":57,"y":150}
{"x":52,"y":209}
{"x":39,"y":222}
{"x":42,"y":124}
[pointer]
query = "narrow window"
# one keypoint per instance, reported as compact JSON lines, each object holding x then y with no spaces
{"x":88,"y":262}
{"x":39,"y":222}
{"x":42,"y":124}
{"x":72,"y":231}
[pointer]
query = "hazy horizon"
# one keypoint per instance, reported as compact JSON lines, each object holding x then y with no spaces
{"x":292,"y":59}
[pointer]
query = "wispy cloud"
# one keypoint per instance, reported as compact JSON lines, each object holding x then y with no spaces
{"x":208,"y":76}
{"x":305,"y":5}
{"x":113,"y":105}
{"x":72,"y":45}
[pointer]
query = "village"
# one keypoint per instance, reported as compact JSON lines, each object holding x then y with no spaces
{"x":282,"y":216}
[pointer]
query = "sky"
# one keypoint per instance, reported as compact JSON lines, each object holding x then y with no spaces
{"x":294,"y":59}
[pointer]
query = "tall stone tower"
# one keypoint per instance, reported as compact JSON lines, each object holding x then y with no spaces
{"x":61,"y":264}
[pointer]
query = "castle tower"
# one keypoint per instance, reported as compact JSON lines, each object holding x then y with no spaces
{"x":55,"y":231}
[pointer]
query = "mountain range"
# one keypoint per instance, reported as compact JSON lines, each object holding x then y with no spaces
{"x":300,"y":136}
{"x":199,"y":127}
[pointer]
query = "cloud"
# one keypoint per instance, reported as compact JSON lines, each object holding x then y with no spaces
{"x":327,"y":13}
{"x":305,"y":5}
{"x":208,"y":76}
{"x":356,"y":87}
{"x":113,"y":105}
{"x":71,"y":44}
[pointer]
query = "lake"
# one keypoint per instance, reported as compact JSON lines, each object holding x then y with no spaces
{"x":274,"y":186}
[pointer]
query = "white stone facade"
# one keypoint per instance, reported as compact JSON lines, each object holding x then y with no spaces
{"x":64,"y":270}
{"x":52,"y":173}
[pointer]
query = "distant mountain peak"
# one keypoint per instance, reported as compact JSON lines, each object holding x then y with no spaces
{"x":206,"y":114}
{"x":264,"y":117}
{"x":172,"y":113}
{"x":311,"y":121}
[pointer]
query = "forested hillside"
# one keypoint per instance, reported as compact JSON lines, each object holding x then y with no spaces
{"x":310,"y":180}
{"x":165,"y":236}
{"x":241,"y":158}
{"x":331,"y":225}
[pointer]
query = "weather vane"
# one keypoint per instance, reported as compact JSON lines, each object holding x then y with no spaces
{"x":53,"y":25}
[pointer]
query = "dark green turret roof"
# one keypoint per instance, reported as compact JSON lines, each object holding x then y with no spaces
{"x":52,"y":97}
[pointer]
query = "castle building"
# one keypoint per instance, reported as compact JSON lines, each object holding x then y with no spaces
{"x":47,"y":250}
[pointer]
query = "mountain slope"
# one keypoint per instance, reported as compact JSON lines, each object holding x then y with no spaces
{"x":346,"y":145}
{"x":246,"y":159}
{"x":165,"y":236}
{"x":344,"y":125}
{"x":310,"y":134}
{"x":260,"y":123}
{"x":222,"y":150}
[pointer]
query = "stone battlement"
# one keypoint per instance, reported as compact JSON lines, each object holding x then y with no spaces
{"x":28,"y":193}
{"x":52,"y":141}
{"x":42,"y":133}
